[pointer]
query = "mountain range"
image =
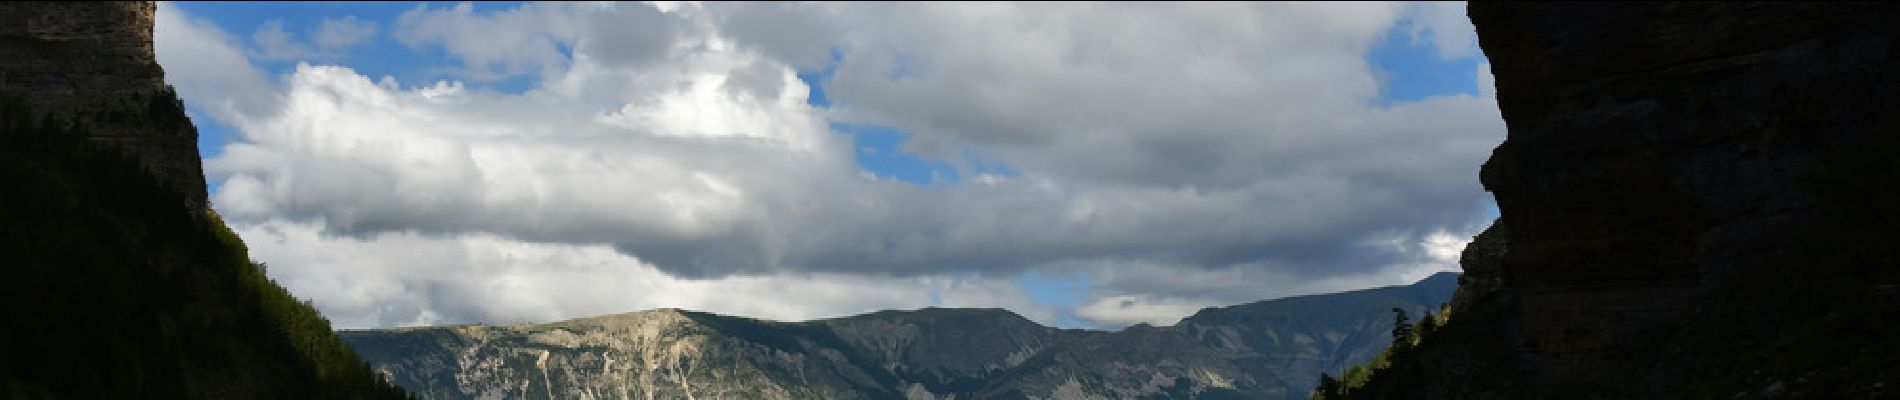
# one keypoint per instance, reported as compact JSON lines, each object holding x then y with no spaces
{"x":1691,"y":197}
{"x":1268,"y":349}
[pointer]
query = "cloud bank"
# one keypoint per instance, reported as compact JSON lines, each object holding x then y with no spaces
{"x":666,"y":155}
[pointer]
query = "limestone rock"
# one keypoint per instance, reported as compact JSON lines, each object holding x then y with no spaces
{"x":1269,"y":349}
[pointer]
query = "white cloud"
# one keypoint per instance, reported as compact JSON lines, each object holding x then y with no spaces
{"x":330,"y":40}
{"x":207,"y":68}
{"x":1487,"y":83}
{"x":1133,"y":309}
{"x":538,"y":38}
{"x":406,"y":279}
{"x":1180,"y":155}
{"x":1212,"y":96}
{"x":1445,"y":26}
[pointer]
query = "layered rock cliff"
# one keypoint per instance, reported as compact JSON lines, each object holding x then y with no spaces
{"x":120,"y":283}
{"x":1693,"y":197}
{"x":92,"y":63}
{"x":1269,"y":349}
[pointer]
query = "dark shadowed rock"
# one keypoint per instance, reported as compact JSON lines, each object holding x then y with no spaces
{"x":1483,"y":261}
{"x":92,"y":63}
{"x":120,"y":283}
{"x":1679,"y":184}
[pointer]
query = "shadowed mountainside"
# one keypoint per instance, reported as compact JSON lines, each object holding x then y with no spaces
{"x":120,"y":283}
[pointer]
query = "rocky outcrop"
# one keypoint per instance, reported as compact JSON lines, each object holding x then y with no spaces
{"x":1482,"y":261}
{"x":1655,"y":151}
{"x":92,"y":63}
{"x":1676,"y":186}
{"x":1269,"y":349}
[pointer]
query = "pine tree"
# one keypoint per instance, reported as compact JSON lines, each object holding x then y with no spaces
{"x":1328,"y":386}
{"x":1401,"y":325}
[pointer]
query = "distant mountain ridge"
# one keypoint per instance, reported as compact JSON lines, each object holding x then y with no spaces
{"x":1267,"y":349}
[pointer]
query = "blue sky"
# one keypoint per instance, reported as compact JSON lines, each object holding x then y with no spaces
{"x":1407,"y":60}
{"x":381,"y":56}
{"x":1416,"y":70}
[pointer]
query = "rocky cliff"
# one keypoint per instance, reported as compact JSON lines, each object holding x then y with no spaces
{"x":1270,"y":349}
{"x":1693,"y":197}
{"x":119,"y":282}
{"x":92,"y":63}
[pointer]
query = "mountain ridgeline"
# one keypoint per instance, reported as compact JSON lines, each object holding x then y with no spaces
{"x":1269,"y":349}
{"x":120,"y":283}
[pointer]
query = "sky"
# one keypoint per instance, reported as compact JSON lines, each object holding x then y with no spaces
{"x":1086,"y":165}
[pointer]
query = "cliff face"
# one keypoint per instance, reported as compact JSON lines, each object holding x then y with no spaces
{"x":82,"y":60}
{"x":1688,"y":196}
{"x":1270,"y":349}
{"x":1655,"y":151}
{"x":119,"y":282}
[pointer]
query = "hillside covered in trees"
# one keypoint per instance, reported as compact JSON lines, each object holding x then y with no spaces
{"x":119,"y":282}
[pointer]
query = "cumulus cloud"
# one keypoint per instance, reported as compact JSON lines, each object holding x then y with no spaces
{"x":1179,"y":155}
{"x":207,"y":67}
{"x":1487,"y":83}
{"x":546,"y":37}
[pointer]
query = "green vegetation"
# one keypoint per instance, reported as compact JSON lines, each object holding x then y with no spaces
{"x":1406,"y":338}
{"x":117,"y":288}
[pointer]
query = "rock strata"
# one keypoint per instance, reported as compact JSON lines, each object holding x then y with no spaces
{"x":1269,"y":349}
{"x":75,"y":61}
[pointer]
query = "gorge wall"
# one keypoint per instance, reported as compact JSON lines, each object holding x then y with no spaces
{"x":120,"y":282}
{"x":1693,"y":198}
{"x":92,"y":63}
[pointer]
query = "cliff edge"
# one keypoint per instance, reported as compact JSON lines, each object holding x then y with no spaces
{"x":1694,"y":201}
{"x":92,"y":63}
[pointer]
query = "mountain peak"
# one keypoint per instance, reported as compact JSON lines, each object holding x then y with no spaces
{"x":1268,"y":349}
